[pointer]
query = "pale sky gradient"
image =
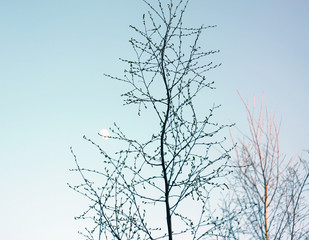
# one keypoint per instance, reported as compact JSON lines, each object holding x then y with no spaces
{"x":52,"y":91}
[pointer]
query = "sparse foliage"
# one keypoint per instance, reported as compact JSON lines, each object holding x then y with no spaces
{"x":268,"y":191}
{"x":160,"y":188}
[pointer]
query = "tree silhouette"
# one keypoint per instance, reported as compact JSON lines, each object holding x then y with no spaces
{"x":170,"y":176}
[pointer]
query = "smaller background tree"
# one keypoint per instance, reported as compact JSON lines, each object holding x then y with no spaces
{"x":267,"y":200}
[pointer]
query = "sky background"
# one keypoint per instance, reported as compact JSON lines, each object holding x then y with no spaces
{"x":52,"y":91}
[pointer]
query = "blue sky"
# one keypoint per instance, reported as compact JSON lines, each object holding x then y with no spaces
{"x":52,"y":90}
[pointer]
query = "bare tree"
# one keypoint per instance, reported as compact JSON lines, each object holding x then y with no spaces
{"x":268,"y":190}
{"x":160,"y":188}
